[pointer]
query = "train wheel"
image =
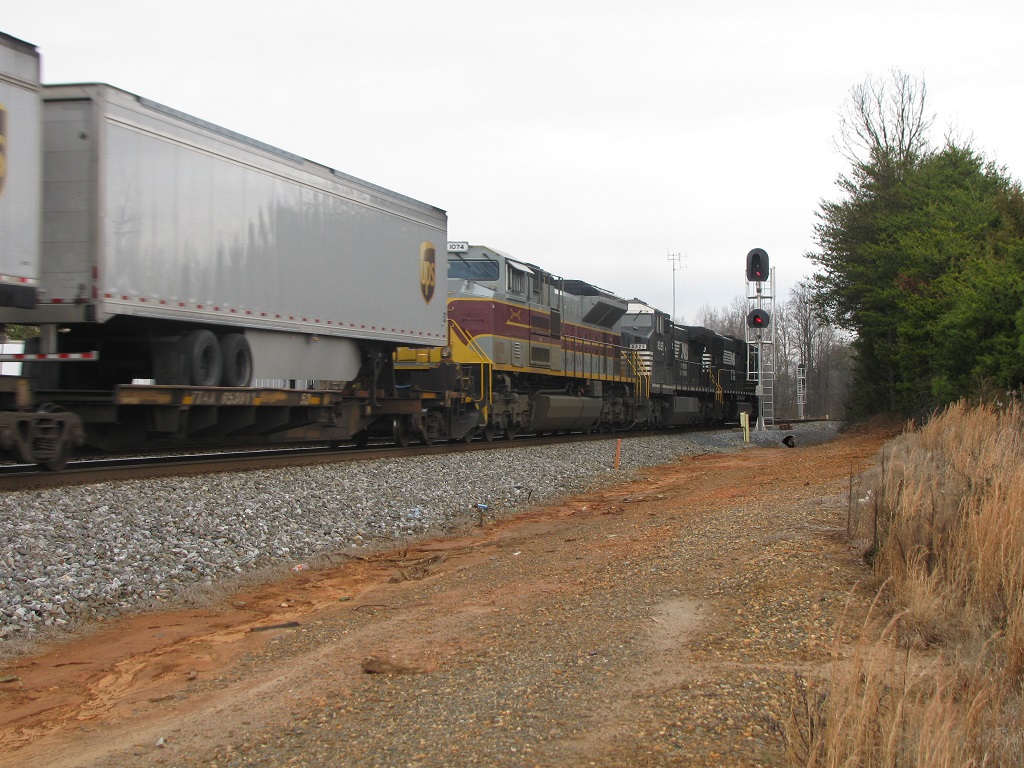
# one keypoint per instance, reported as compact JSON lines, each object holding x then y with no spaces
{"x":203,"y":361}
{"x":468,"y":437}
{"x":401,"y":432}
{"x":59,"y":450}
{"x":510,"y":433}
{"x":237,"y":360}
{"x":59,"y":460}
{"x":488,"y":433}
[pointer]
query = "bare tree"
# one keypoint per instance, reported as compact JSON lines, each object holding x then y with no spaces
{"x":884,"y":120}
{"x":729,"y":321}
{"x":785,"y":365}
{"x":822,"y":349}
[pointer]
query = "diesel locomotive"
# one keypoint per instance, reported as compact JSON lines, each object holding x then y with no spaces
{"x":539,"y":353}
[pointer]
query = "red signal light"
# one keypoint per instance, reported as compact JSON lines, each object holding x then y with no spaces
{"x":758,"y":318}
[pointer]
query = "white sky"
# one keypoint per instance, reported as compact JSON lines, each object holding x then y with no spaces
{"x":589,"y":137}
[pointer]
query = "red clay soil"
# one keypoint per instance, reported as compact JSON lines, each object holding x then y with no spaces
{"x":193,"y":687}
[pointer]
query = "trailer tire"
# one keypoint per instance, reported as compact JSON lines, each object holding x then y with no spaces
{"x":203,"y":361}
{"x":236,"y":357}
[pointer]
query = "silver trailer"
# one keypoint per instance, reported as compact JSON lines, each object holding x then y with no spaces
{"x":20,"y":171}
{"x":171,"y":244}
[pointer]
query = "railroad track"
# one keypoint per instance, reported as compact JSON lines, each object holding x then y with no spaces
{"x":106,"y":469}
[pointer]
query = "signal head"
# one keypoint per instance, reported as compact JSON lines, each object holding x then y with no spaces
{"x":758,"y":318}
{"x":757,"y":265}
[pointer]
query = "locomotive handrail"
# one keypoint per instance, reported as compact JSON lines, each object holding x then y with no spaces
{"x":643,"y":375}
{"x":717,"y":381}
{"x":486,"y":364}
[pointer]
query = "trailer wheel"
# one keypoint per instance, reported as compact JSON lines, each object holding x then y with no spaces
{"x":237,"y":360}
{"x":203,"y":360}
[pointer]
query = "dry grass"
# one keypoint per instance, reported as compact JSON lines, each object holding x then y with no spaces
{"x":937,"y":676}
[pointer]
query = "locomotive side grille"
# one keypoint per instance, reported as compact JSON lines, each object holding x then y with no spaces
{"x":540,"y":355}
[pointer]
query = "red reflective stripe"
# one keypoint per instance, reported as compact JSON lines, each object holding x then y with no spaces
{"x":20,"y":356}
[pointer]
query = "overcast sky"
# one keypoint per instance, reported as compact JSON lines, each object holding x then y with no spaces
{"x":591,"y":138}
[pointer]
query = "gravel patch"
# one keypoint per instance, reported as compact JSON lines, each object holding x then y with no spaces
{"x":100,"y":550}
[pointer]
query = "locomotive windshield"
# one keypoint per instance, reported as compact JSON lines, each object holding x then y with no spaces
{"x":473,"y":269}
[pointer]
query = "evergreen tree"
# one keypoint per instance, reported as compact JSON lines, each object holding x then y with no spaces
{"x":920,"y":260}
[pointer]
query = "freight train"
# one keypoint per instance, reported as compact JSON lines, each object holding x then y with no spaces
{"x":193,"y":286}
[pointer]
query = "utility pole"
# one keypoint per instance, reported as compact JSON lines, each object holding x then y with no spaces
{"x":676,"y":259}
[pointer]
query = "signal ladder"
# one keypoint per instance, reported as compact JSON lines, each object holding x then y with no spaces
{"x":768,"y":388}
{"x":761,"y":348}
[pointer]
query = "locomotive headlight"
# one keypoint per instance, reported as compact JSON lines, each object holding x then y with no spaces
{"x":446,"y":352}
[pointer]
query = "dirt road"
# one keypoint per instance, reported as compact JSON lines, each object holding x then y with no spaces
{"x":653,"y":624}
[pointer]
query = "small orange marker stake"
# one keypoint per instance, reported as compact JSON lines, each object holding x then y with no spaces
{"x":618,"y":451}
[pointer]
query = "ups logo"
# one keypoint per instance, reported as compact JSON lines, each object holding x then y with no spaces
{"x":428,"y":271}
{"x":3,"y":147}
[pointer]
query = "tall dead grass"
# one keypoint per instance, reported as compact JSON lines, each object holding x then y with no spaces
{"x":936,"y":678}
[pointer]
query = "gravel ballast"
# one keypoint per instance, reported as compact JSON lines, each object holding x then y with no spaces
{"x":100,"y":550}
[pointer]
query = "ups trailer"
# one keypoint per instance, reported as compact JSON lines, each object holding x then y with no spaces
{"x":166,"y":239}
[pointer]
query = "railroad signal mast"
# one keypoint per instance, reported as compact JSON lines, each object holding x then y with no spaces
{"x":760,"y":333}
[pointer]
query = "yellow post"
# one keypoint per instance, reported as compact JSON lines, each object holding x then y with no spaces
{"x":745,"y":423}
